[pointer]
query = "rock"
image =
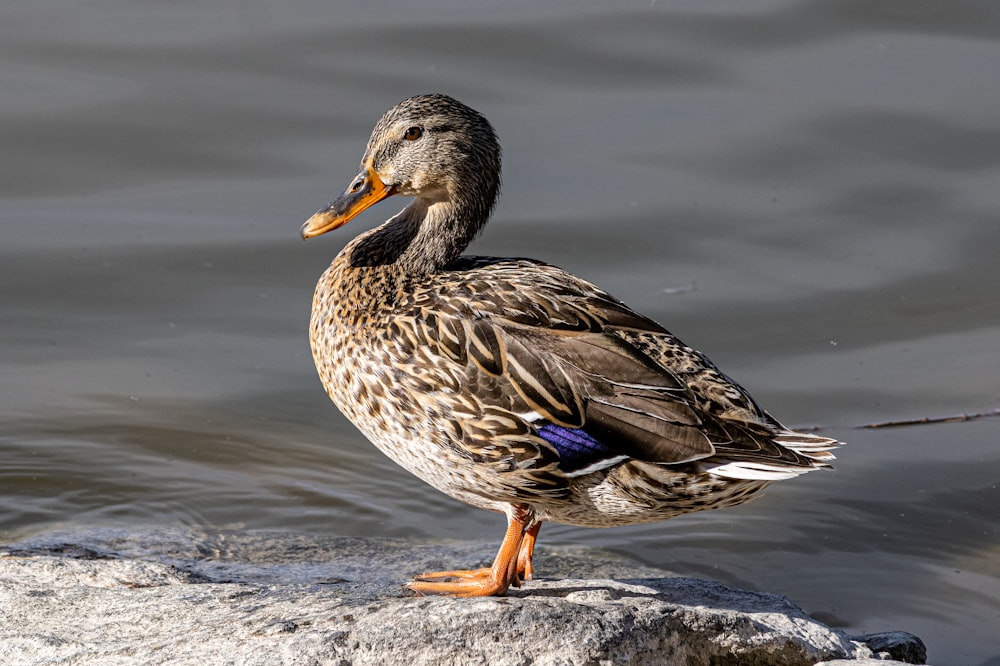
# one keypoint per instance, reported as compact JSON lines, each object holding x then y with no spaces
{"x":899,"y":645}
{"x":862,"y":662}
{"x":112,"y":597}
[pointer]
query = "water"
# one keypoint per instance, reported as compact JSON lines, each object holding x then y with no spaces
{"x":806,"y":191}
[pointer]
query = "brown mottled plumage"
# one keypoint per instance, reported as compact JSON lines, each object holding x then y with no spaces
{"x":511,"y":384}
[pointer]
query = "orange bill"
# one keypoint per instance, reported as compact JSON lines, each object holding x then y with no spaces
{"x":366,"y":190}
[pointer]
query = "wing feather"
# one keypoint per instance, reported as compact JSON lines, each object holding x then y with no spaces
{"x":545,"y":347}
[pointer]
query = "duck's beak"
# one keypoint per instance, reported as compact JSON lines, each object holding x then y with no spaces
{"x":366,"y":190}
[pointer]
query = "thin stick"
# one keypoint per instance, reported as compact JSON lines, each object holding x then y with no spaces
{"x":955,"y":418}
{"x":933,"y":419}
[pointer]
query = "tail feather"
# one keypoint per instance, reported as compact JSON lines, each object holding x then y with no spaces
{"x":814,"y":447}
{"x":811,"y":446}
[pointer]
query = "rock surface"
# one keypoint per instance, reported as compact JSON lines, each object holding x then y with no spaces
{"x":188,"y":597}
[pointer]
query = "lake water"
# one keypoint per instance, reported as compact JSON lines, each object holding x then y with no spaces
{"x":806,"y":191}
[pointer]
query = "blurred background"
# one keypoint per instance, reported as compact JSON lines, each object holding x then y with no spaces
{"x":806,"y":191}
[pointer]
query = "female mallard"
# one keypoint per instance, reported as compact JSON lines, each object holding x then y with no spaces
{"x":511,"y":384}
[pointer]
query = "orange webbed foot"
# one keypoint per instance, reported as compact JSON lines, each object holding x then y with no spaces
{"x":462,"y":583}
{"x":512,"y":564}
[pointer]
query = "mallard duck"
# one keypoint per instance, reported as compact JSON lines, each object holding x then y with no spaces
{"x":511,"y":384}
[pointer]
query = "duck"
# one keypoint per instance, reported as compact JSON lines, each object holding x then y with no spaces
{"x":511,"y":384}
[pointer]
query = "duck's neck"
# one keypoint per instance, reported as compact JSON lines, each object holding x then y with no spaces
{"x":422,"y":239}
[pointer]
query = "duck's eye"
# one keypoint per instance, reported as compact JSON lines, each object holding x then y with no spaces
{"x":413,"y":133}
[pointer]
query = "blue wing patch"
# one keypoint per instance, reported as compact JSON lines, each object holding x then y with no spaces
{"x":579,"y":453}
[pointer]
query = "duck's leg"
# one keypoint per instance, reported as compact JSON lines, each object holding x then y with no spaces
{"x":487,"y":582}
{"x":524,"y":569}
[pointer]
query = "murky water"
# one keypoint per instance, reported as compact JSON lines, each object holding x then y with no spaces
{"x":809,"y":192}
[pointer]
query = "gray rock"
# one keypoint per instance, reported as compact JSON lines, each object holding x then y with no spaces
{"x":899,"y":645}
{"x":872,"y":661}
{"x":184,"y":597}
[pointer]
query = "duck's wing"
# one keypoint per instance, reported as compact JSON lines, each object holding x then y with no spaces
{"x":595,"y":381}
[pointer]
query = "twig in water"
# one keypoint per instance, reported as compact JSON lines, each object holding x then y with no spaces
{"x":933,"y":419}
{"x":955,"y":418}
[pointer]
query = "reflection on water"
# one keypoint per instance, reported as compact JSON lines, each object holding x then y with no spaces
{"x":805,"y":191}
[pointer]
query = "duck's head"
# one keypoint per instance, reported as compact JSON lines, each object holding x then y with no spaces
{"x":431,"y":147}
